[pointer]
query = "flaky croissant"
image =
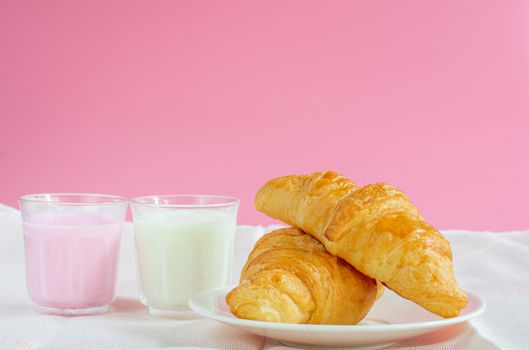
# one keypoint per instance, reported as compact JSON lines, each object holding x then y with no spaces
{"x":375,"y":228}
{"x":289,"y":277}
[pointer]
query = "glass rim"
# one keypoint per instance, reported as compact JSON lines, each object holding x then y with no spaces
{"x":142,"y":200}
{"x":108,"y":199}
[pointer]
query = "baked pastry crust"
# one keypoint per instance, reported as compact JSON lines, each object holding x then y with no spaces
{"x":375,"y":228}
{"x":289,"y":277}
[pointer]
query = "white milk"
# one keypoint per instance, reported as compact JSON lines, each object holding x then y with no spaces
{"x":182,"y":252}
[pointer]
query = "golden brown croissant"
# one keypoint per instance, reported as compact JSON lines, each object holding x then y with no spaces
{"x":290,"y":277}
{"x":375,"y":228}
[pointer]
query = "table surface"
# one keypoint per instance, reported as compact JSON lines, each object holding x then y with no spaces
{"x":493,"y":265}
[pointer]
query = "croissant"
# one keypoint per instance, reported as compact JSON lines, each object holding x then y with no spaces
{"x":289,"y":277}
{"x":375,"y":228}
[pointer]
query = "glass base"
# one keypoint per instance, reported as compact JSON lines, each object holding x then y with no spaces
{"x":73,"y":312}
{"x":180,"y":312}
{"x":315,"y":347}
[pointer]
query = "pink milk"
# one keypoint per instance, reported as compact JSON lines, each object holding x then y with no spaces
{"x":71,"y":259}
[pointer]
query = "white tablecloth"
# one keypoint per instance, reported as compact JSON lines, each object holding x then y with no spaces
{"x":492,"y":265}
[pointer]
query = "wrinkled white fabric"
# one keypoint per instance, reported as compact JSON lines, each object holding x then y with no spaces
{"x":492,"y":265}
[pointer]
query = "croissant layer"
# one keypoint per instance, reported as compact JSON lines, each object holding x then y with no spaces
{"x":375,"y":228}
{"x":289,"y":277}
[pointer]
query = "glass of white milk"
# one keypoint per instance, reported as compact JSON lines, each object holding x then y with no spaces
{"x":184,"y":244}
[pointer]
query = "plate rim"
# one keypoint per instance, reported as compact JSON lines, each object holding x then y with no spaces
{"x":391,"y":327}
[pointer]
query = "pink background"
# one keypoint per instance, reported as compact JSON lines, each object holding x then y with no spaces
{"x":216,"y":97}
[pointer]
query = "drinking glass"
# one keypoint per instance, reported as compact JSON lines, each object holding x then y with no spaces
{"x":184,"y":244}
{"x":72,"y":243}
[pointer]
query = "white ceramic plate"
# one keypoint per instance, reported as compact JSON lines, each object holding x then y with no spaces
{"x":391,"y":319}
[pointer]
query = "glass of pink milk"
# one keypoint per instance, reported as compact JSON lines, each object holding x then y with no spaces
{"x":72,"y":243}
